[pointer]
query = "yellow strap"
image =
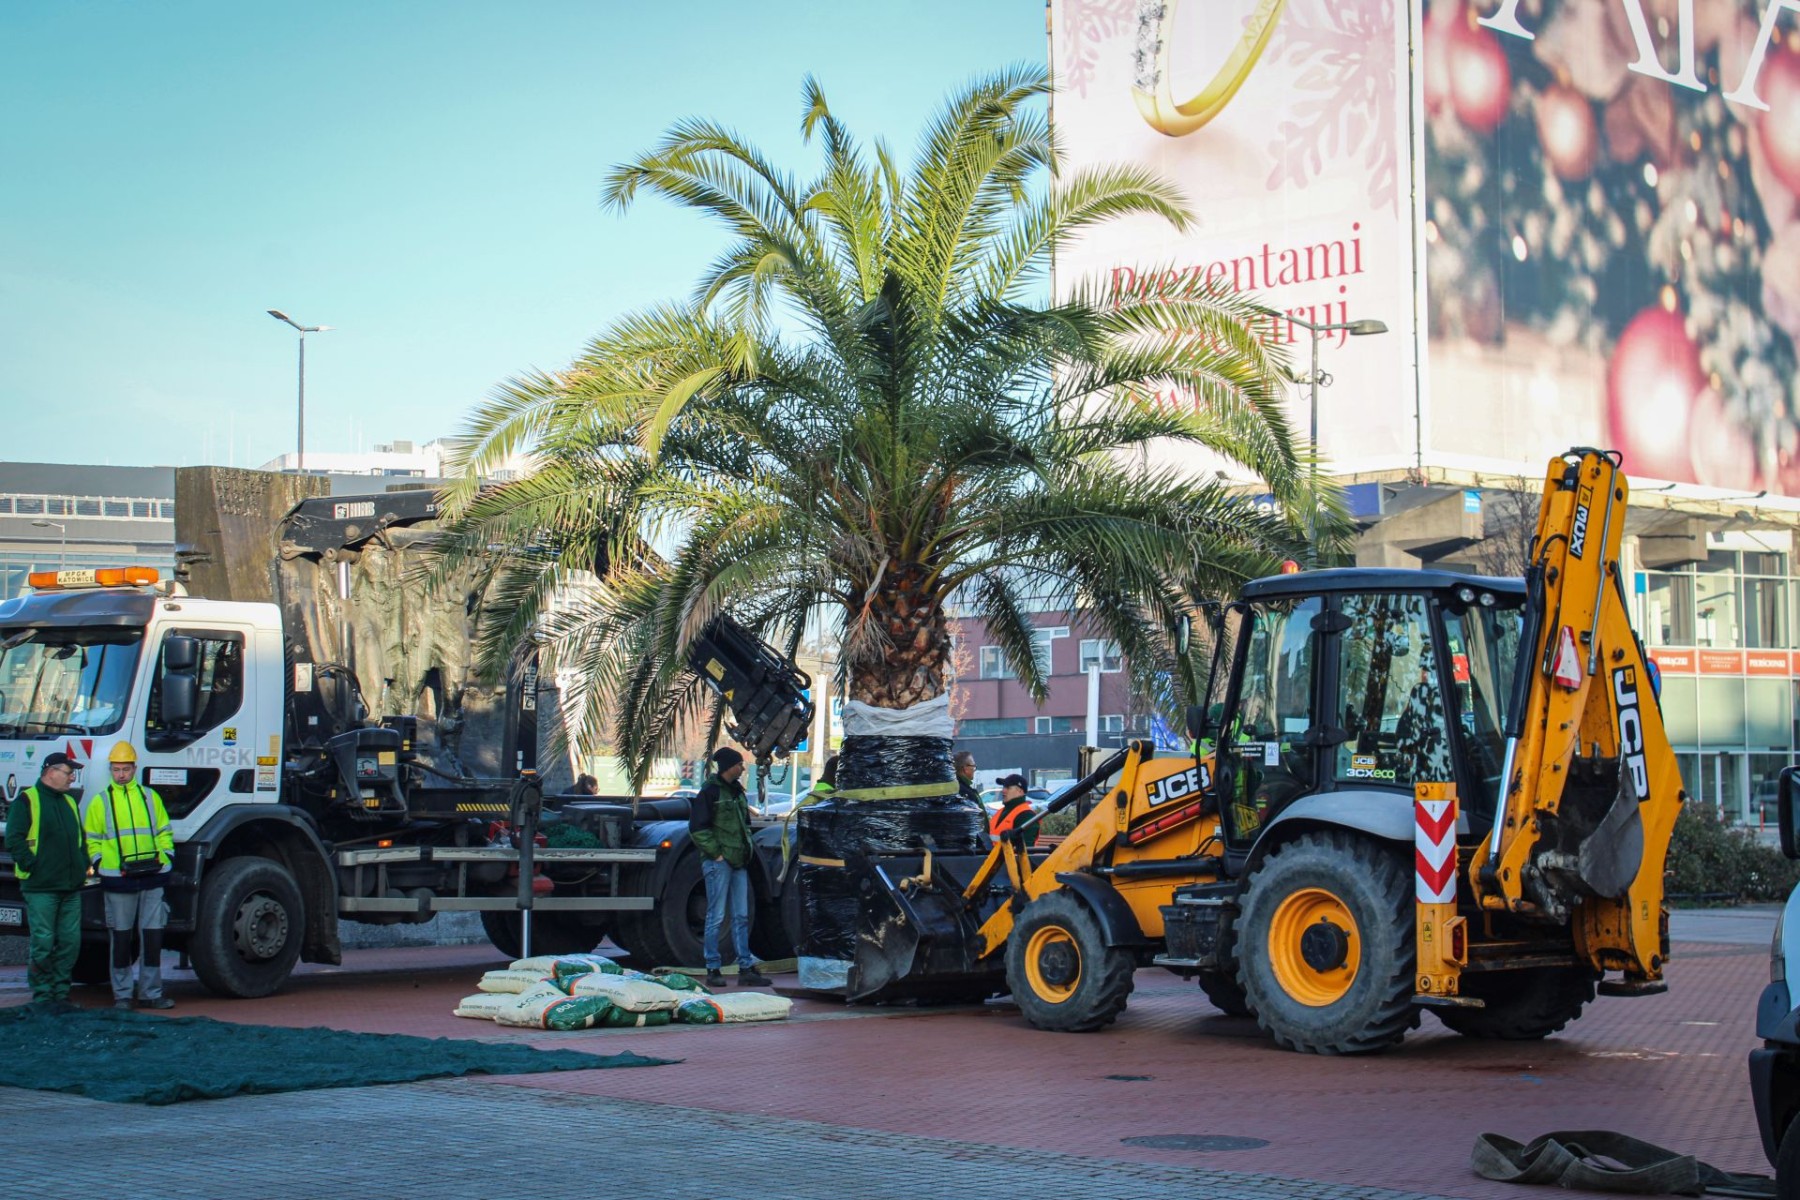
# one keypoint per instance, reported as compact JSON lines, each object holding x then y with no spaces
{"x":916,"y":791}
{"x":813,"y":861}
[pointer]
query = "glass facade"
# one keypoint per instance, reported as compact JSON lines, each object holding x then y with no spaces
{"x":1722,"y":631}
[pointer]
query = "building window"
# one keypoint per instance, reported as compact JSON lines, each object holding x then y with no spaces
{"x":5,"y":504}
{"x":992,"y":727}
{"x":1041,"y":642}
{"x":142,"y":508}
{"x":993,"y":664}
{"x":1112,"y":723}
{"x":168,"y":510}
{"x":1096,"y":652}
{"x":116,"y":508}
{"x":29,"y":506}
{"x":1053,"y":725}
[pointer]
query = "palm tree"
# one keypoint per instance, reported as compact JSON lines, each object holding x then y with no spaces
{"x":869,"y":408}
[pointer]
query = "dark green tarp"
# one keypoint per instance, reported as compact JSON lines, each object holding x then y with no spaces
{"x":135,"y":1058}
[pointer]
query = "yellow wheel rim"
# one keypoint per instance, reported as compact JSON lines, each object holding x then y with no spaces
{"x":1053,"y":964}
{"x":1314,"y":949}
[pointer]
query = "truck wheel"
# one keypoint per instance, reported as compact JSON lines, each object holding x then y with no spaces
{"x":673,"y":933}
{"x":1787,"y":1163}
{"x":1326,"y":945}
{"x":776,"y":931}
{"x":249,"y":924}
{"x":551,"y":933}
{"x":1062,"y":974}
{"x":1522,"y":1006}
{"x":93,"y":964}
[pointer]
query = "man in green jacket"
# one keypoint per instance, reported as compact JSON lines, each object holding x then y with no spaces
{"x":50,"y":858}
{"x":719,"y":823}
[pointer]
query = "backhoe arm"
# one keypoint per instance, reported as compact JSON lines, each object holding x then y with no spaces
{"x":1591,"y":784}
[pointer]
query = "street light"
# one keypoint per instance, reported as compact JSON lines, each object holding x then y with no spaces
{"x":62,"y":555}
{"x":1314,"y":378}
{"x":300,"y":457}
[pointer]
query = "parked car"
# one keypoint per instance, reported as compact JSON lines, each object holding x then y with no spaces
{"x":1775,"y":1067}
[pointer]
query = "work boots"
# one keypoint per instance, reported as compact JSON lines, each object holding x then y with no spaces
{"x":751,"y":977}
{"x":716,"y":980}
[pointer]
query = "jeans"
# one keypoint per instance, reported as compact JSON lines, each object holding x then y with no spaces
{"x":145,"y":914}
{"x":725,"y":882}
{"x":55,"y":920}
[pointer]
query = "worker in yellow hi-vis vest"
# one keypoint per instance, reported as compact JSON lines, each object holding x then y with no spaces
{"x":133,"y":849}
{"x":50,"y":860}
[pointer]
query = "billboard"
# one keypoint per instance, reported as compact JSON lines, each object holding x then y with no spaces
{"x":1285,"y":125}
{"x":1580,"y":219}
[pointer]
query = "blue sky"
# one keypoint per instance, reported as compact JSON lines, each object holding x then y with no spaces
{"x":425,"y":177}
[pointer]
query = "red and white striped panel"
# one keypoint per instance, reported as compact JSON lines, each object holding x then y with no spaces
{"x":1434,"y":850}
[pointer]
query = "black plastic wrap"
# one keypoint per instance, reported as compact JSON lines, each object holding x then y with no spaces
{"x":845,"y":829}
{"x":883,"y":762}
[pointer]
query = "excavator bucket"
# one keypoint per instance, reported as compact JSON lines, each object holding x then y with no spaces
{"x":1611,"y":855}
{"x":916,"y":937}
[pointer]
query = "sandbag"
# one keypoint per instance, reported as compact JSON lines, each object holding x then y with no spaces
{"x":679,"y":982}
{"x":570,"y":965}
{"x":543,"y":964}
{"x":509,"y":980}
{"x":734,"y":1009}
{"x":484,"y":1006}
{"x":550,"y":1009}
{"x":618,"y":1018}
{"x":631,"y":995}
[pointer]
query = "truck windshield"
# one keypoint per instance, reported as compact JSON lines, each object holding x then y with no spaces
{"x":1484,"y":651}
{"x":61,"y":681}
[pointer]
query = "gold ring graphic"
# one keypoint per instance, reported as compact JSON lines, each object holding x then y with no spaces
{"x":1150,"y":62}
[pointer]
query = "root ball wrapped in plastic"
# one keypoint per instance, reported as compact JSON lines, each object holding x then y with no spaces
{"x":896,"y":792}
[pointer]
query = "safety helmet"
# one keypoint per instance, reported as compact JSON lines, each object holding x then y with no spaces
{"x":123,"y":753}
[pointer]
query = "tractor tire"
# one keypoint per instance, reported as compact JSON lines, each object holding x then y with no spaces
{"x":1326,"y":947}
{"x":1522,"y":1006}
{"x":1225,"y":993}
{"x":1787,"y":1163}
{"x":1062,"y":974}
{"x":551,"y":933}
{"x":249,"y":923}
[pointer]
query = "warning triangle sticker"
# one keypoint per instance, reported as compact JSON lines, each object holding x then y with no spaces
{"x":1568,"y":663}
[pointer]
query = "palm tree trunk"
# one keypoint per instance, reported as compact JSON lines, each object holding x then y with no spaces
{"x":896,"y":784}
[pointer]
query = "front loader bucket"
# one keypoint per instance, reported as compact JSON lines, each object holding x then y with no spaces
{"x":915,"y":937}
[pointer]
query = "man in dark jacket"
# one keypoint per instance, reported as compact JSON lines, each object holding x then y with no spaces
{"x":50,"y":857}
{"x":719,"y":822}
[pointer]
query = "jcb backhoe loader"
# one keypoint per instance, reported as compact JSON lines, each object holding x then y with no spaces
{"x":1415,"y":789}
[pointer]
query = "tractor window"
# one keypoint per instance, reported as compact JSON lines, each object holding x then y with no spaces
{"x":1263,"y":761}
{"x":1484,"y":648}
{"x":1390,"y":694}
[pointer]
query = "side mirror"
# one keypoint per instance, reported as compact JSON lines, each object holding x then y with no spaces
{"x":180,"y":688}
{"x":1784,"y":793}
{"x":1184,"y":635}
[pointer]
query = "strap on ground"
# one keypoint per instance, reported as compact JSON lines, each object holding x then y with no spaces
{"x":1602,"y":1161}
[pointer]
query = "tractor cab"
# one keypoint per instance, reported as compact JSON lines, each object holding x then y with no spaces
{"x":1359,"y":681}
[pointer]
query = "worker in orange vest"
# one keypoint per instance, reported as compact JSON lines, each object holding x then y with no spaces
{"x":1014,"y":807}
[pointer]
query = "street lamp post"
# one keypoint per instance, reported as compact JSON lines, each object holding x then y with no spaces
{"x":300,"y":440}
{"x":1314,"y":378}
{"x":62,"y":553}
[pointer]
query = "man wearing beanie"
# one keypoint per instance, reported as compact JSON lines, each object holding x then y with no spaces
{"x":719,"y":821}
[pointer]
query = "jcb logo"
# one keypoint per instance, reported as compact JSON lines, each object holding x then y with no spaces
{"x":1584,"y":500}
{"x":1631,"y":731}
{"x":1177,"y":787}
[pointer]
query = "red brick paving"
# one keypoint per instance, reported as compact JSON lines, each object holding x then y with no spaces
{"x":1669,"y":1069}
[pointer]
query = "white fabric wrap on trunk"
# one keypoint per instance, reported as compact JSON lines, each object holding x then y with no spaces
{"x":930,"y":719}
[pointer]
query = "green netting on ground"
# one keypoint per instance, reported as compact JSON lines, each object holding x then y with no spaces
{"x":134,"y":1058}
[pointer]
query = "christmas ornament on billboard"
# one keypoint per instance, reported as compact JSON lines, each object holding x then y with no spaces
{"x":1779,"y":128}
{"x":1480,"y":79}
{"x":1150,"y":67}
{"x":1653,"y":383}
{"x":1720,"y":453}
{"x":1568,"y":132}
{"x":1440,"y":30}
